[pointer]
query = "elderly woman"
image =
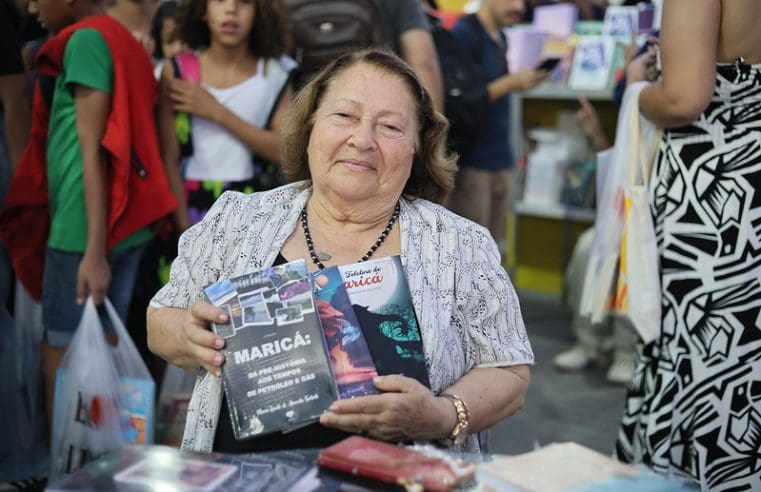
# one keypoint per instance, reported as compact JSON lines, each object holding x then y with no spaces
{"x":366,"y":149}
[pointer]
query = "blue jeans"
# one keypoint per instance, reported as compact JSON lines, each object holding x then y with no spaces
{"x":60,"y":311}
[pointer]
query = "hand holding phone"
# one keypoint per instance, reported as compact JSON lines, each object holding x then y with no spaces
{"x":548,"y":64}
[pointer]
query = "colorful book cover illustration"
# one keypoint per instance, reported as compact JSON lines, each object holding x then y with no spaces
{"x":276,"y":373}
{"x":381,"y":299}
{"x":353,"y":367}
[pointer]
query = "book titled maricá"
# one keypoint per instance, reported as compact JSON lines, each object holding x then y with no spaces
{"x":276,"y":373}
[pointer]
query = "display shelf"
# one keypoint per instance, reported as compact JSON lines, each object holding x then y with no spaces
{"x":543,"y":236}
{"x":561,"y":91}
{"x":557,"y":211}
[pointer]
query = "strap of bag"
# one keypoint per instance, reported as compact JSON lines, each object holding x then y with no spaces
{"x":642,"y":151}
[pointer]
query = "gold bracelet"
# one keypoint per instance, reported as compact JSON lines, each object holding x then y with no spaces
{"x":460,"y":430}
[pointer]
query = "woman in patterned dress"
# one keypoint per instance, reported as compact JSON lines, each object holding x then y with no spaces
{"x":694,"y":406}
{"x":367,"y":150}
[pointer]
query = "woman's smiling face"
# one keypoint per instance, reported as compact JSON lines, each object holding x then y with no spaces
{"x":364,"y":136}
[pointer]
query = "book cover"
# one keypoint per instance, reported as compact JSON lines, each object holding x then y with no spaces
{"x":182,"y":475}
{"x":381,"y":299}
{"x":353,"y":366}
{"x":593,"y":61}
{"x":621,"y":22}
{"x":276,"y":373}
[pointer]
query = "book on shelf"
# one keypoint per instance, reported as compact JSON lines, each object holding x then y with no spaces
{"x":593,"y":63}
{"x":350,"y":357}
{"x":382,"y":303}
{"x":276,"y":373}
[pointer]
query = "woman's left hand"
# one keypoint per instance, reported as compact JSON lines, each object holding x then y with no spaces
{"x":405,"y":410}
{"x":192,"y":97}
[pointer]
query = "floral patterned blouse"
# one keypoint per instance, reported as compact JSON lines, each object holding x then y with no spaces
{"x":467,"y":308}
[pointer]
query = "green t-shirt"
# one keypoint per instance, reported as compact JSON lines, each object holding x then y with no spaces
{"x":86,"y":61}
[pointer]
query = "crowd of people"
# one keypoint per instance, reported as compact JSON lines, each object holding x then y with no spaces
{"x":160,"y":148}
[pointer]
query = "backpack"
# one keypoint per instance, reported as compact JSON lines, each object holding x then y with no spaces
{"x":324,"y":30}
{"x":466,"y":97}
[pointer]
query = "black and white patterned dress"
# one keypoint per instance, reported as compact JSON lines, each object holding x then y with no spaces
{"x":694,"y":406}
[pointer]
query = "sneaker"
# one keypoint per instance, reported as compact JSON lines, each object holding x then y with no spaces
{"x":574,"y":359}
{"x":621,"y":371}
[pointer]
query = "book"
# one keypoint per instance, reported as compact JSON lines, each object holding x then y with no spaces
{"x":183,"y":475}
{"x":621,"y":22}
{"x":411,"y":468}
{"x":382,"y":303}
{"x":276,"y":373}
{"x":571,"y":466}
{"x":593,"y":62}
{"x":350,"y":357}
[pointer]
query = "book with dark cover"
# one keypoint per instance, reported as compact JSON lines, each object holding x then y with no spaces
{"x":382,"y":303}
{"x":276,"y":373}
{"x":350,"y":358}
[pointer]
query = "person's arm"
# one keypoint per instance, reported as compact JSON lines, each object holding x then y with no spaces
{"x":408,"y":410}
{"x":193,"y":98}
{"x":92,"y":109}
{"x":688,"y":46}
{"x":589,"y":122}
{"x":518,"y":81}
{"x":170,"y":148}
{"x":177,"y":319}
{"x":17,"y":105}
{"x":419,"y":51}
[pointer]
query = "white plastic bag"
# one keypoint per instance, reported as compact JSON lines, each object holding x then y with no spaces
{"x":624,"y":172}
{"x":85,"y":421}
{"x":103,"y":397}
{"x":176,"y":390}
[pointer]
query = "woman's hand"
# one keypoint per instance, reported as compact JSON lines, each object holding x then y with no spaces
{"x":642,"y":67}
{"x":192,"y":97}
{"x":194,"y":344}
{"x":405,"y":410}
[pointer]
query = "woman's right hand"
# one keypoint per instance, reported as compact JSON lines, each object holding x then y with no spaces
{"x":195,"y":344}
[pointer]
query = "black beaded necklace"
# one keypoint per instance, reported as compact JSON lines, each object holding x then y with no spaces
{"x":373,"y":248}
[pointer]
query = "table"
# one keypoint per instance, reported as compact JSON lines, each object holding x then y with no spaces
{"x":286,"y":471}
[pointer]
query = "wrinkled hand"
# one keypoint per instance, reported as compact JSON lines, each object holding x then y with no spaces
{"x":194,"y":340}
{"x":405,"y":410}
{"x":642,"y":67}
{"x":527,"y":79}
{"x":93,"y":278}
{"x":192,"y":97}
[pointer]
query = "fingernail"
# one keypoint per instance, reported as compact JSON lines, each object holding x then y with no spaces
{"x":334,"y":407}
{"x":377,"y":379}
{"x":217,"y":359}
{"x":222,"y":317}
{"x":219,"y":343}
{"x":218,"y":373}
